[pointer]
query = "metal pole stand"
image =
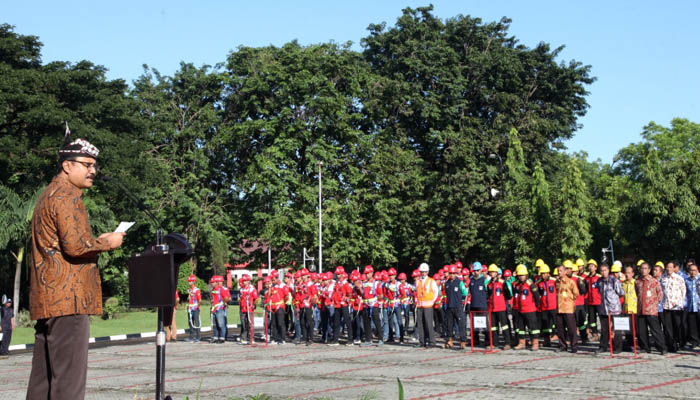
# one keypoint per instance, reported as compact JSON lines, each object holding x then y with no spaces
{"x":160,"y":357}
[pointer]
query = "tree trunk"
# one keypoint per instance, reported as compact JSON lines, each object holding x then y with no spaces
{"x":18,"y":275}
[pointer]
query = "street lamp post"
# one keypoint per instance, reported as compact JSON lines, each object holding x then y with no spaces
{"x":320,"y":222}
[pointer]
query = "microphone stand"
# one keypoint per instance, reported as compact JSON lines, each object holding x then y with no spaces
{"x":159,"y":247}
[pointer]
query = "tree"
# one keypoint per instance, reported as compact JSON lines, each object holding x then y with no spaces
{"x":541,"y":210}
{"x":514,"y":225}
{"x":574,"y":228}
{"x":15,"y":217}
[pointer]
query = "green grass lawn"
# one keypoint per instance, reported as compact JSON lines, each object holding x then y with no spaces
{"x":130,"y":322}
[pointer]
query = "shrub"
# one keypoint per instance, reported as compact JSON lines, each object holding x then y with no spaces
{"x":110,"y":308}
{"x":24,"y":320}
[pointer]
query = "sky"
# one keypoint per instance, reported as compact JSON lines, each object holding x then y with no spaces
{"x":643,"y":53}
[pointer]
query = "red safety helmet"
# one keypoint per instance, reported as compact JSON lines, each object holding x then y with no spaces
{"x":437,"y":276}
{"x":268,"y":279}
{"x":415,"y":273}
{"x":274,"y":273}
{"x":304,"y":272}
{"x":391,"y":272}
{"x":368,"y":270}
{"x":363,"y":277}
{"x":245,"y":278}
{"x":288,"y":275}
{"x":192,"y":279}
{"x":507,"y":273}
{"x":339,"y":270}
{"x":297,"y":275}
{"x":377,"y":275}
{"x":459,"y":265}
{"x":465,"y":271}
{"x":402,"y":276}
{"x":314,"y":276}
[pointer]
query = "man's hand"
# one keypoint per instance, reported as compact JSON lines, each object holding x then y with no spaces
{"x":114,"y":239}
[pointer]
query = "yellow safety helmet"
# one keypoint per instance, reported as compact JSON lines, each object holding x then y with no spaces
{"x":616,"y":267}
{"x":567,"y":263}
{"x":660,"y":264}
{"x":579,"y":262}
{"x":574,"y":267}
{"x":539,"y":262}
{"x":640,"y":262}
{"x":520,"y":270}
{"x":556,"y":272}
{"x":544,"y":269}
{"x":592,"y":261}
{"x":493,"y":268}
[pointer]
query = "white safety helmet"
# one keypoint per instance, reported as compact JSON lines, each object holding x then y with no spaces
{"x":424,"y":267}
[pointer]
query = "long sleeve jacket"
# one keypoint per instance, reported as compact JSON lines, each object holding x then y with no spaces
{"x":64,"y":278}
{"x":610,"y":292}
{"x":649,"y":295}
{"x":673,"y":286}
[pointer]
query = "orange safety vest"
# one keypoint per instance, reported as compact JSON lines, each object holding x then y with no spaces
{"x":424,"y":293}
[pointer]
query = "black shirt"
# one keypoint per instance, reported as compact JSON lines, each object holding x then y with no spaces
{"x":7,"y":314}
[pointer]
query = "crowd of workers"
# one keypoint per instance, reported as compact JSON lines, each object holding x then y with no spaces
{"x":638,"y":306}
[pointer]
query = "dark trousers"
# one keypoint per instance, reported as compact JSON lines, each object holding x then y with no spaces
{"x":369,"y":315}
{"x":547,"y":323}
{"x":605,"y":335}
{"x":500,"y":320}
{"x":649,"y":324}
{"x":307,"y":323}
{"x":59,"y":364}
{"x":439,"y":317}
{"x":246,"y":323}
{"x":593,"y":318}
{"x":424,"y":324}
{"x":194,"y":322}
{"x":526,"y":320}
{"x":580,"y":315}
{"x":278,"y":327}
{"x":345,"y":314}
{"x":693,"y":327}
{"x":456,"y":314}
{"x":566,"y":331}
{"x":672,"y":328}
{"x":6,"y":338}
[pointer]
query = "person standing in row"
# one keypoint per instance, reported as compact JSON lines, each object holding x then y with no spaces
{"x":455,"y":291}
{"x":7,"y":324}
{"x":673,"y":287}
{"x":193,"y":301}
{"x":649,"y":296}
{"x":426,"y":295}
{"x":567,"y":293}
{"x":64,"y":281}
{"x":610,"y":293}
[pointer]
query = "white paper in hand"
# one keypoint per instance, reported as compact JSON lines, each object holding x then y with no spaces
{"x":124,"y":226}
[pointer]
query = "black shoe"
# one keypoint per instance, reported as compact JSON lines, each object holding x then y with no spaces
{"x":617,"y":351}
{"x":574,"y":350}
{"x":559,"y":349}
{"x":663,"y":352}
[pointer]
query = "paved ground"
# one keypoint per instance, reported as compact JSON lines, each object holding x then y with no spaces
{"x":231,"y":370}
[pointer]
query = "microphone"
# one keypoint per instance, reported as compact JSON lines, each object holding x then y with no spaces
{"x":138,"y":203}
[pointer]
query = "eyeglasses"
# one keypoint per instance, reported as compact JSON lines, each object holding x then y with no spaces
{"x":88,"y":165}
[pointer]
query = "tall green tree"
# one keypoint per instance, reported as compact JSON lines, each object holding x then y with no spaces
{"x":574,"y":202}
{"x":16,"y":213}
{"x":514,"y":225}
{"x":541,"y":210}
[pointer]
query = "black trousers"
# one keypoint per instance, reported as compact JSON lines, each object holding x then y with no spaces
{"x":6,"y":338}
{"x":605,"y":335}
{"x":59,"y":363}
{"x":345,"y":314}
{"x":649,"y":324}
{"x":693,"y":327}
{"x":278,"y":328}
{"x":672,"y":328}
{"x":566,"y":331}
{"x":547,"y":322}
{"x":456,"y":314}
{"x":246,"y":331}
{"x":499,"y":319}
{"x":529,"y":320}
{"x":369,"y":315}
{"x":307,"y":324}
{"x":439,"y":316}
{"x":581,"y":322}
{"x":593,"y":318}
